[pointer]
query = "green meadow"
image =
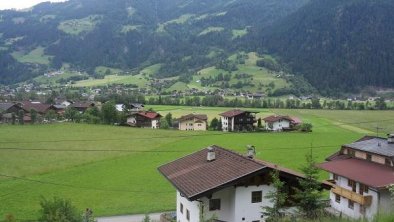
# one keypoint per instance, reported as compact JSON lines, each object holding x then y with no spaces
{"x":113,"y":169}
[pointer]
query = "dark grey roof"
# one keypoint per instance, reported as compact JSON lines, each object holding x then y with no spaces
{"x":374,"y":145}
{"x":5,"y":106}
{"x":137,"y":105}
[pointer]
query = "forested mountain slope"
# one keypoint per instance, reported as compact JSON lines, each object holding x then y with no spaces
{"x":338,"y":44}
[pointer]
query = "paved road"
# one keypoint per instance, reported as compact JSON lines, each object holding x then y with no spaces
{"x":155,"y":217}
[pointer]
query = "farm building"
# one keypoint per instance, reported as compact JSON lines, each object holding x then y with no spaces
{"x":238,"y":120}
{"x":39,"y":107}
{"x":82,"y":106}
{"x":360,"y":174}
{"x":193,"y":122}
{"x":7,"y":111}
{"x":136,"y":107}
{"x":148,"y":119}
{"x":221,"y":183}
{"x":280,"y":123}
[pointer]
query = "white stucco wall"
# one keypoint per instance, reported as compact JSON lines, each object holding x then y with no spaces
{"x":370,"y":211}
{"x":247,"y":211}
{"x":236,"y":205}
{"x":192,"y":206}
{"x":278,"y":125}
{"x":155,"y":124}
{"x":225,"y":124}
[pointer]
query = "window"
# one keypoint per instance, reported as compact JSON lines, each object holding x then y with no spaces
{"x":335,"y":177}
{"x":352,"y":152}
{"x":181,"y":208}
{"x":363,"y":189}
{"x":337,"y":198}
{"x":369,"y":157}
{"x":257,"y":196}
{"x":350,"y":204}
{"x":387,"y":162}
{"x":214,"y":204}
{"x":350,"y":183}
{"x":187,"y":215}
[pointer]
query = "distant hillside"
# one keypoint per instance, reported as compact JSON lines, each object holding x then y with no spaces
{"x":334,"y":44}
{"x":338,"y":44}
{"x":129,"y":34}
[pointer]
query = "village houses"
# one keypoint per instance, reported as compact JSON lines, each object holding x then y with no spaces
{"x":360,"y":173}
{"x":281,"y":123}
{"x":217,"y":182}
{"x":144,"y":119}
{"x":198,"y":122}
{"x":238,"y":120}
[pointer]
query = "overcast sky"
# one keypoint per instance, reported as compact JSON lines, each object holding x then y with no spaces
{"x":22,"y":4}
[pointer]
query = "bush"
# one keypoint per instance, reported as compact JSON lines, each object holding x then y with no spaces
{"x":58,"y":210}
{"x":305,"y":127}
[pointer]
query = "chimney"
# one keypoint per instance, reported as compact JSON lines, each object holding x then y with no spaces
{"x":211,"y":155}
{"x":251,"y":151}
{"x":390,"y":138}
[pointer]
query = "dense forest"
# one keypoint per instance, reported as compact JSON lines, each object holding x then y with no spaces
{"x":337,"y":44}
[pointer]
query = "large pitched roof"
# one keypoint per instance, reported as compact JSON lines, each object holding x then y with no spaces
{"x":194,"y":176}
{"x":37,"y":106}
{"x":148,"y":114}
{"x":234,"y":112}
{"x":275,"y":118}
{"x":376,"y":145}
{"x":6,"y":106}
{"x":201,"y":117}
{"x":369,"y":173}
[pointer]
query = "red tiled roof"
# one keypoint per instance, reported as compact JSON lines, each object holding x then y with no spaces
{"x":149,"y":115}
{"x":234,"y":112}
{"x":369,"y":173}
{"x":194,"y":176}
{"x":274,"y":118}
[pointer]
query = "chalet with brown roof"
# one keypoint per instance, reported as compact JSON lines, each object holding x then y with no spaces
{"x":145,"y":119}
{"x":238,"y":120}
{"x":281,"y":123}
{"x":39,"y":107}
{"x":7,"y":111}
{"x":360,"y":173}
{"x":193,"y":122}
{"x":82,"y":106}
{"x":217,"y":181}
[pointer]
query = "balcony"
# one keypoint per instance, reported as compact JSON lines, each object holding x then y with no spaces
{"x":353,"y":196}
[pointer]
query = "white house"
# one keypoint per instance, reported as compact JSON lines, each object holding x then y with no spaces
{"x":280,"y":123}
{"x":216,"y":182}
{"x":148,"y":119}
{"x":238,"y":120}
{"x":360,"y":173}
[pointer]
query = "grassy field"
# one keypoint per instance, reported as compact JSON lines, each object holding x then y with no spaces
{"x":124,"y":182}
{"x":79,"y":26}
{"x":36,"y":56}
{"x":113,"y":79}
{"x":259,"y":75}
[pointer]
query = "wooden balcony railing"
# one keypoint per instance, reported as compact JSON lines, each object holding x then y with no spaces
{"x":353,"y":196}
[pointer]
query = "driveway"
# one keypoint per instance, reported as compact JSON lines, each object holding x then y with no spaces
{"x":155,"y":217}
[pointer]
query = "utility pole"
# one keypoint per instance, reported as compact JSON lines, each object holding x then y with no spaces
{"x":377,"y":130}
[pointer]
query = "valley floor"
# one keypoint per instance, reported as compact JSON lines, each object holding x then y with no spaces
{"x":113,"y":170}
